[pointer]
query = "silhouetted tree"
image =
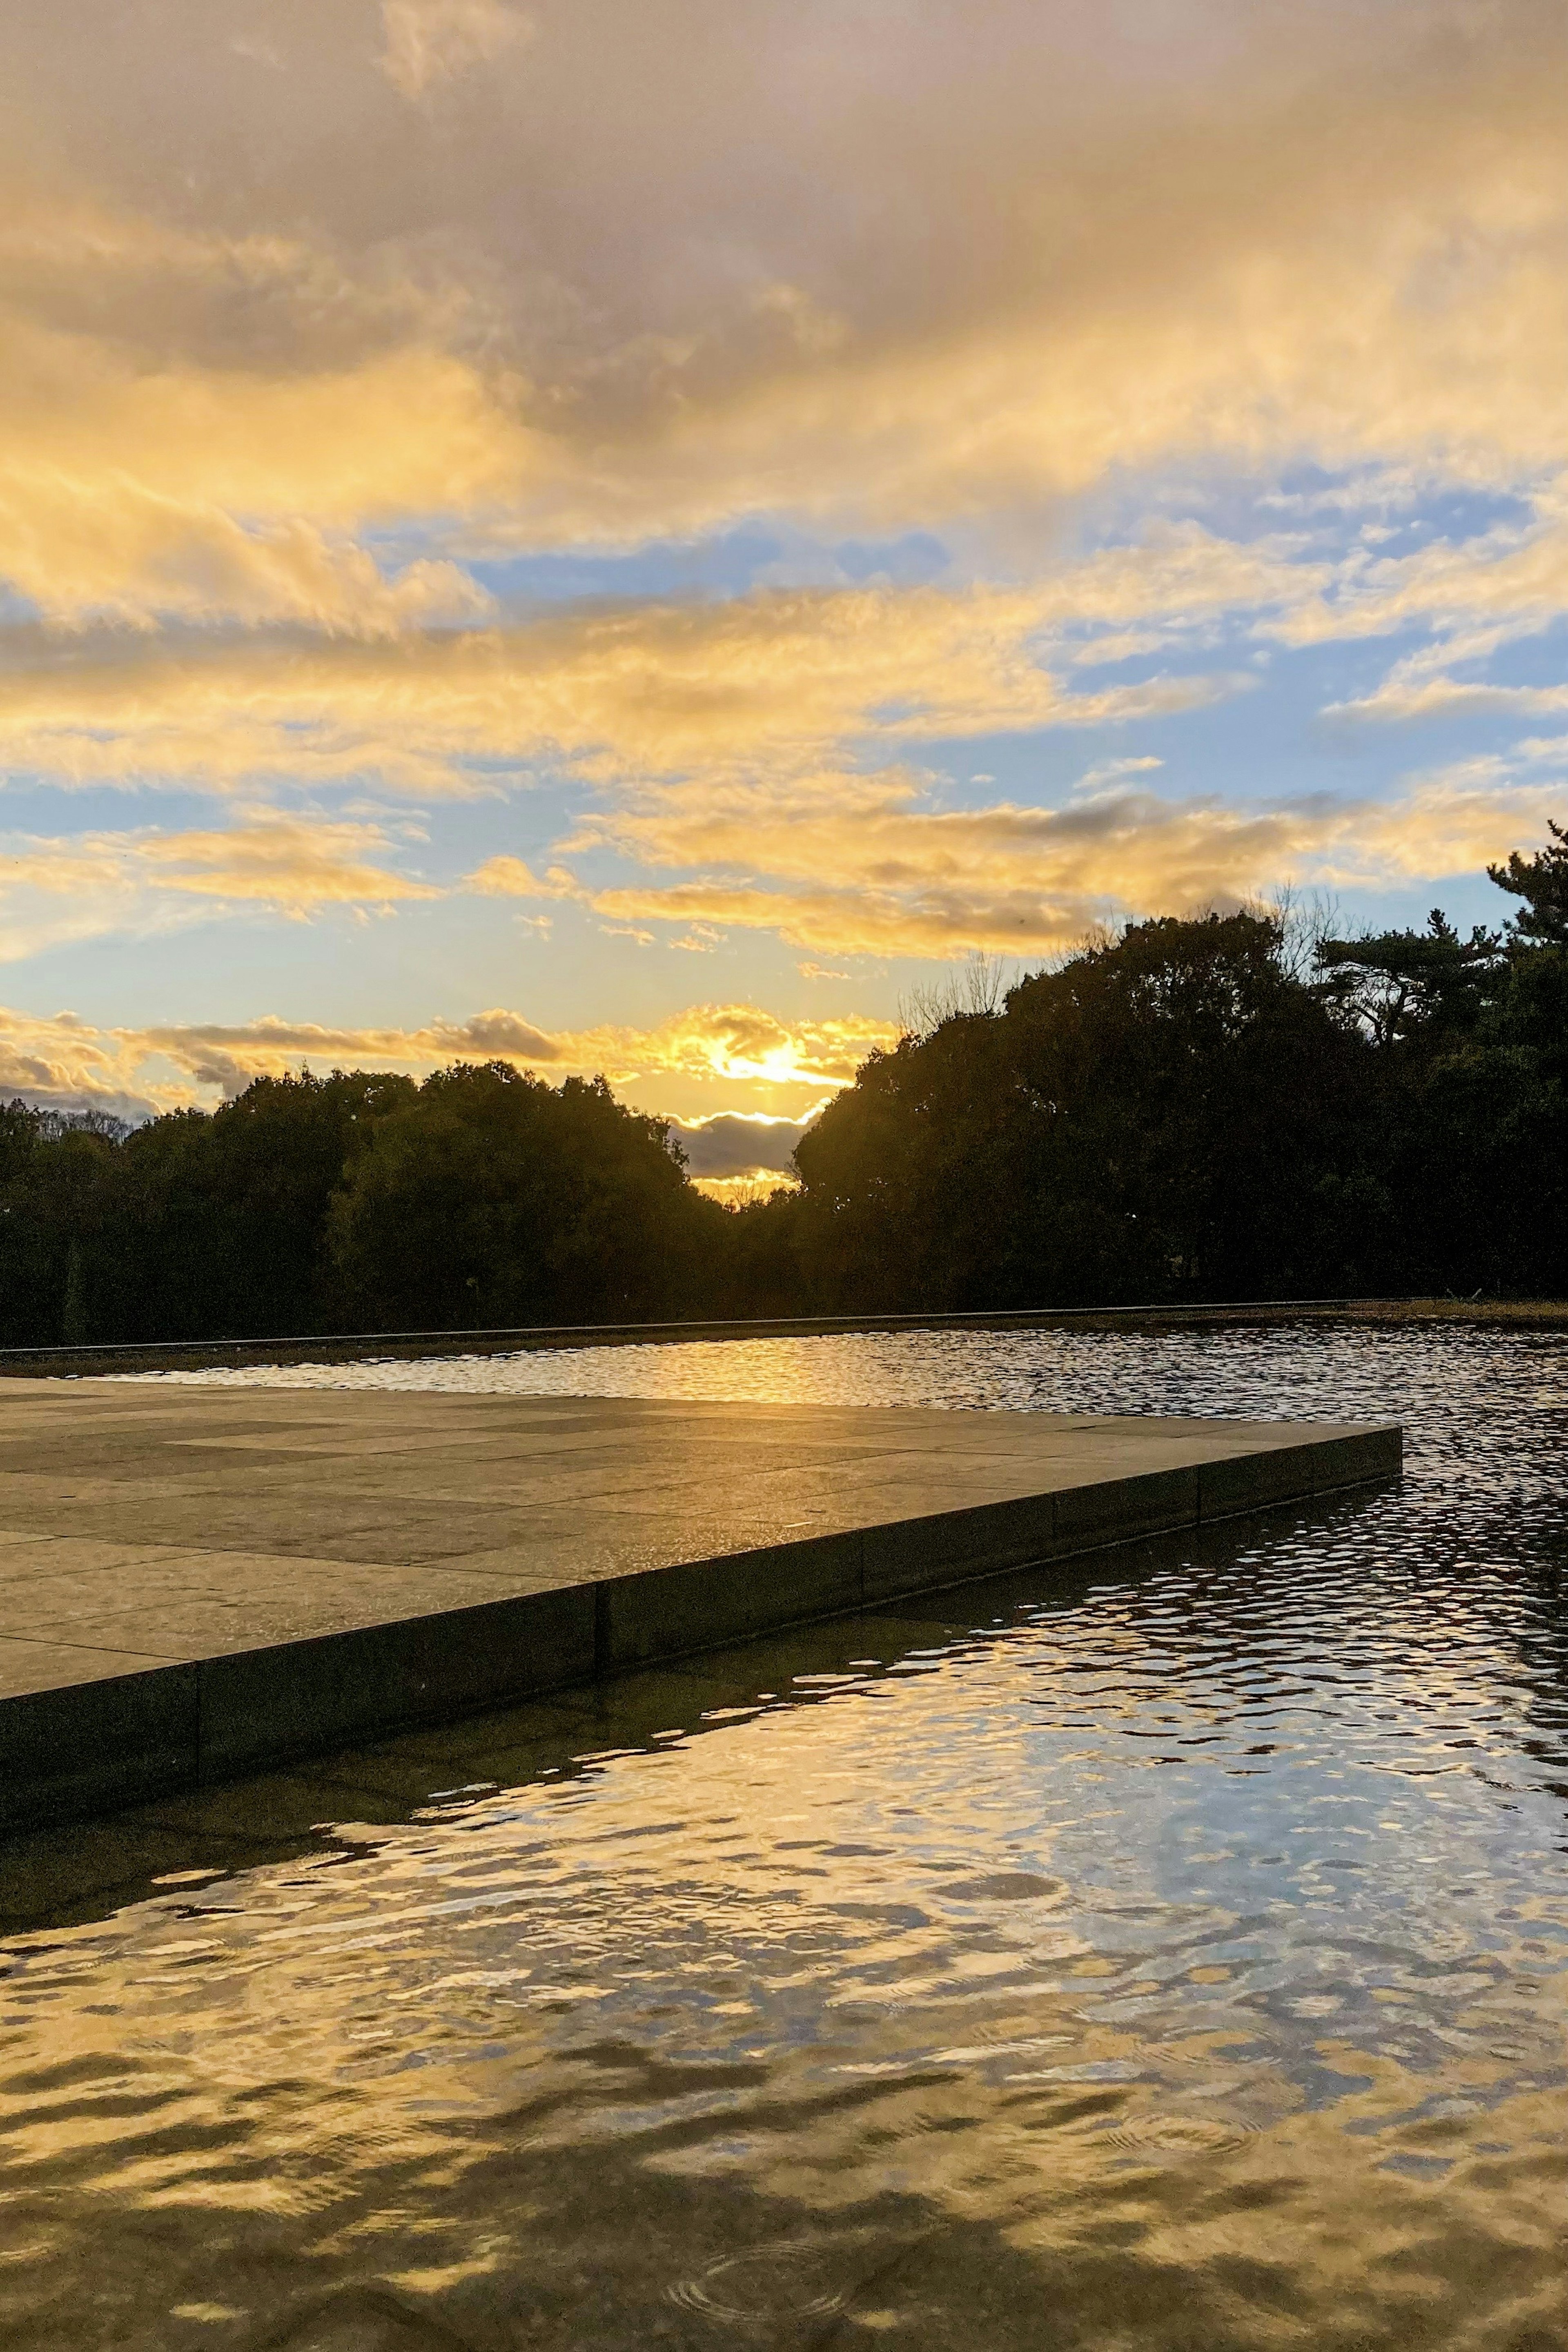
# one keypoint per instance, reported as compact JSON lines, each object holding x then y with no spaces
{"x":1197,"y":1108}
{"x":1403,"y":985}
{"x":1471,"y":1038}
{"x":492,"y":1198}
{"x":56,"y":1169}
{"x":215,"y":1227}
{"x":1170,"y":1113}
{"x":1542,"y":881}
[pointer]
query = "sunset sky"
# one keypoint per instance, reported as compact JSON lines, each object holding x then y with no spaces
{"x":631,"y":534}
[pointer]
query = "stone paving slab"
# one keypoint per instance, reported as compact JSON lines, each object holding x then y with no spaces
{"x":200,"y":1582}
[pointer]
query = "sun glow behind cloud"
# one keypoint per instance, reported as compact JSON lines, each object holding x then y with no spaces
{"x":469,"y":480}
{"x":715,"y":1051}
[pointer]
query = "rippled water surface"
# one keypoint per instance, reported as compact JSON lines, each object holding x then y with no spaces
{"x":1171,"y":1954}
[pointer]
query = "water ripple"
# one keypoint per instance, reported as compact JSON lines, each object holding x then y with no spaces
{"x":1173,"y":1951}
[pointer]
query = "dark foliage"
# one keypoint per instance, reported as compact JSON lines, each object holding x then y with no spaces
{"x":1169,"y":1116}
{"x":1542,"y":881}
{"x":357,"y":1201}
{"x":1472,"y":1105}
{"x":490,"y":1198}
{"x":1401,"y":985}
{"x":1179,"y":1113}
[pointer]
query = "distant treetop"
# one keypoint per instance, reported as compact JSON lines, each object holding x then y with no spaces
{"x":1542,"y":881}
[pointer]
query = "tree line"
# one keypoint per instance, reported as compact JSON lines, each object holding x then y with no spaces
{"x":1196,"y":1108}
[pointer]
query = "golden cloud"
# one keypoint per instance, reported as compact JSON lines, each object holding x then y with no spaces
{"x":1346,"y":242}
{"x":64,"y":1063}
{"x":296,"y":336}
{"x":195,"y":425}
{"x":87,"y":884}
{"x":912,"y":880}
{"x":740,"y":1049}
{"x":908,"y":877}
{"x":1455,"y":822}
{"x":777,"y":680}
{"x":429,"y":41}
{"x":291,"y":866}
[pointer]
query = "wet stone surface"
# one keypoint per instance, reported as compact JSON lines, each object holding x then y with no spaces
{"x":203,"y":1578}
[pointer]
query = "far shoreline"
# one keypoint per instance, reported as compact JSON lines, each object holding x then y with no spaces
{"x":109,"y":1360}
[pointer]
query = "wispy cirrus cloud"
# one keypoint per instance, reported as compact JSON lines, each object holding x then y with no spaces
{"x":913,"y":879}
{"x":771,"y":680}
{"x":81,"y":885}
{"x":702,"y":729}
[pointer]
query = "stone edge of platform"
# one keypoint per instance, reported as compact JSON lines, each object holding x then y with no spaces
{"x":93,"y":1747}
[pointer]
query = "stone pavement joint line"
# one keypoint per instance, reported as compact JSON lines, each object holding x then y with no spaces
{"x":198,"y":1582}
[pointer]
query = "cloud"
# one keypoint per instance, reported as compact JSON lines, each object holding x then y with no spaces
{"x":229,"y":1056}
{"x":512,"y":878}
{"x":84,"y":884}
{"x":294,"y":868}
{"x":429,"y":41}
{"x":594,"y":295}
{"x":733,"y":1144}
{"x":312,"y":329}
{"x":1505,"y":581}
{"x":1412,"y":690}
{"x":1328,"y":263}
{"x":140,"y":556}
{"x":776,"y":680}
{"x":738,"y":1042}
{"x":1008,"y":878}
{"x":1473,"y":595}
{"x":913,"y":880}
{"x":64,"y":1064}
{"x":739,"y":1049}
{"x":1453,"y":822}
{"x":909,"y":879}
{"x":726,"y":1042}
{"x":1112,"y":774}
{"x":200,"y":427}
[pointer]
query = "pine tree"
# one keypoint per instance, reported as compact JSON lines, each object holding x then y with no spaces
{"x":1542,"y":881}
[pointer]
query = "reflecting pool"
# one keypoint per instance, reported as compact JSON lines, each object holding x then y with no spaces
{"x":1168,"y":1955}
